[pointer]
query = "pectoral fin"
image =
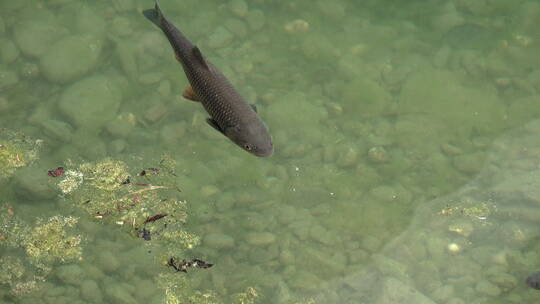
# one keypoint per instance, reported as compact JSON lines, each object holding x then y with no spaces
{"x":214,"y":125}
{"x":198,"y":55}
{"x":190,"y":94}
{"x":254,"y":107}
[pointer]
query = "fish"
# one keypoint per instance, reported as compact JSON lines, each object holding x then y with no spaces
{"x":229,"y":112}
{"x":533,"y":280}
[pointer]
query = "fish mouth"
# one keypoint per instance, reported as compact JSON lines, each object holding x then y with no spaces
{"x":264,"y":153}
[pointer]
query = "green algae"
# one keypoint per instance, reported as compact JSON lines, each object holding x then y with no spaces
{"x":16,"y":151}
{"x":30,"y":251}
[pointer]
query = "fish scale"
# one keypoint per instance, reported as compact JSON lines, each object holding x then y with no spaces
{"x":229,"y":113}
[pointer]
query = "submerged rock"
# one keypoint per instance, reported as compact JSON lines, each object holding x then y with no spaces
{"x":36,"y":31}
{"x":91,"y":102}
{"x":70,"y":58}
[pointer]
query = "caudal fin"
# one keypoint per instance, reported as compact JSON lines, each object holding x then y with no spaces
{"x":154,"y":15}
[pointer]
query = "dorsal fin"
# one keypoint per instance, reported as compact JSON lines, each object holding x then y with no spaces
{"x":198,"y":55}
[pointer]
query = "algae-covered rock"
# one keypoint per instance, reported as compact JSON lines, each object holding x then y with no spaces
{"x":522,"y":110}
{"x":286,"y":113}
{"x":91,"y":102}
{"x":396,"y":292}
{"x":71,"y":58}
{"x":8,"y":52}
{"x":33,"y":183}
{"x":16,"y":151}
{"x":440,"y":94}
{"x":218,"y":240}
{"x":7,"y":78}
{"x":365,"y":97}
{"x":70,"y":274}
{"x":36,"y":30}
{"x":58,"y":129}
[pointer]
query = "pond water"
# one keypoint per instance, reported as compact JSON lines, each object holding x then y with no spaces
{"x":406,"y":166}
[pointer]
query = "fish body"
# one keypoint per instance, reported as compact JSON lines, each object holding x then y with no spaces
{"x":533,"y":280}
{"x":229,"y":113}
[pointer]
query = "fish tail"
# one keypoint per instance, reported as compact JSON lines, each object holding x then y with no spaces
{"x":155,"y":15}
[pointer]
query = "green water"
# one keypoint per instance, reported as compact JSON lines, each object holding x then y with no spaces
{"x":406,"y":150}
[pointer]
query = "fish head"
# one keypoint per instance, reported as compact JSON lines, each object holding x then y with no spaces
{"x":254,"y":138}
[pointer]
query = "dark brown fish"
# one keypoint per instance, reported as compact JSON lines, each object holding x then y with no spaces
{"x":229,"y":113}
{"x":533,"y":280}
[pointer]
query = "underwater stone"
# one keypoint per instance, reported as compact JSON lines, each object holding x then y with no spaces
{"x":238,"y":7}
{"x":237,"y":27}
{"x":36,"y":31}
{"x":91,"y":102}
{"x":90,"y":291}
{"x":33,"y":183}
{"x":123,"y":5}
{"x":440,"y":94}
{"x":109,"y":262}
{"x":122,"y":125}
{"x":487,"y":288}
{"x":221,"y":37}
{"x":118,"y":294}
{"x":218,"y":240}
{"x":29,"y":70}
{"x":8,"y":52}
{"x":396,"y":292}
{"x":172,"y":133}
{"x":58,"y":130}
{"x":88,"y":21}
{"x":260,"y":238}
{"x":378,"y":155}
{"x":70,"y":58}
{"x":523,"y":109}
{"x":70,"y":274}
{"x":7,"y":78}
{"x":121,"y":26}
{"x":365,"y":97}
{"x":470,"y":163}
{"x":255,"y":20}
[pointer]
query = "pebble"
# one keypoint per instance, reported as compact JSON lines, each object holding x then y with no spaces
{"x":218,"y":240}
{"x":8,"y":52}
{"x":378,"y":155}
{"x":7,"y":78}
{"x":58,"y":130}
{"x":70,"y":58}
{"x":117,"y":146}
{"x":172,"y":133}
{"x":33,"y":183}
{"x":220,"y":38}
{"x":29,"y":70}
{"x":384,"y":193}
{"x":36,"y":32}
{"x":121,"y":26}
{"x":486,"y":288}
{"x":256,"y":20}
{"x":70,"y":274}
{"x":90,"y":291}
{"x":91,"y":102}
{"x":155,"y":112}
{"x":4,"y":104}
{"x":109,"y":262}
{"x":122,"y":125}
{"x":260,"y":238}
{"x":238,"y":7}
{"x":237,"y":27}
{"x":118,"y":294}
{"x":470,"y":163}
{"x":150,"y":78}
{"x":164,"y":89}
